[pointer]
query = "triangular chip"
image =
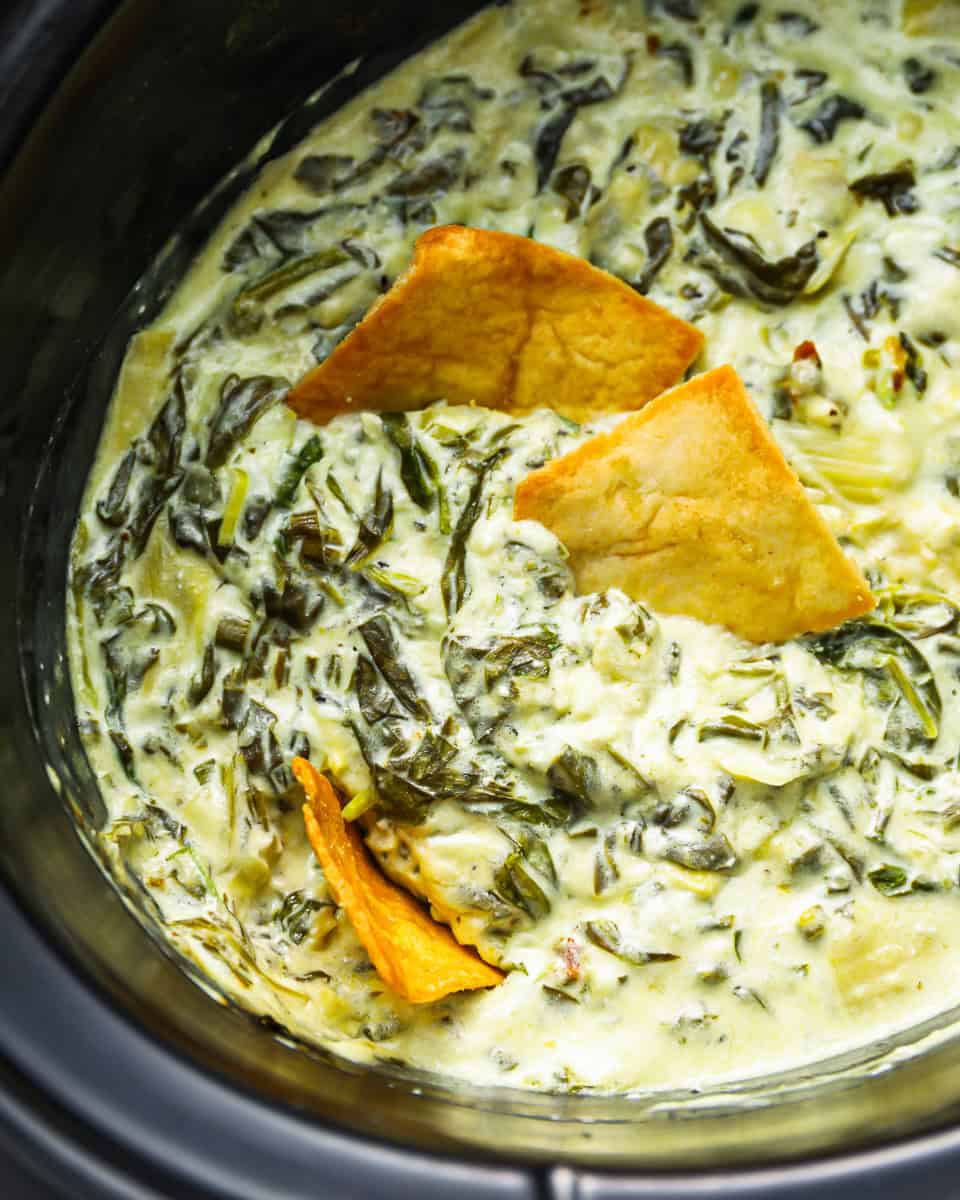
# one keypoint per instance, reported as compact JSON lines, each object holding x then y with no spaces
{"x":504,"y":322}
{"x":691,"y":506}
{"x":414,"y":955}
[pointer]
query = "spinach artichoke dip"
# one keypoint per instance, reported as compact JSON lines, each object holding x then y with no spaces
{"x":672,"y":847}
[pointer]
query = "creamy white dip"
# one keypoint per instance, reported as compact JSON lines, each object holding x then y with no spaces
{"x":699,"y":859}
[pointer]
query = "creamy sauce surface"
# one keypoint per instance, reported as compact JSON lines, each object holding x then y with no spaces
{"x":699,"y":859}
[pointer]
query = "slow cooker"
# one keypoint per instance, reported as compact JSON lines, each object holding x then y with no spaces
{"x":121,"y":1076}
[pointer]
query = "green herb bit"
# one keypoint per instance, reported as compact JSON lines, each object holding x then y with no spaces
{"x":700,"y":798}
{"x":912,"y":368}
{"x":336,"y":488}
{"x":713,"y":853}
{"x":396,"y":582}
{"x":202,"y":870}
{"x":501,"y":436}
{"x":717,"y":973}
{"x":454,"y":578}
{"x":323,"y":550}
{"x":381,"y":642}
{"x":849,"y":856}
{"x":768,"y":139}
{"x":550,"y":813}
{"x":553,"y":582}
{"x":331,"y":590}
{"x":320,"y":544}
{"x":417,"y":773}
{"x":362,"y":802}
{"x":812,"y":922}
{"x":443,"y":500}
{"x":375,"y":700}
{"x":574,"y":775}
{"x":920,"y":614}
{"x":717,"y":924}
{"x":308,"y":454}
{"x":754,"y":666}
{"x":248,"y":302}
{"x":375,"y":526}
{"x":641,"y":783}
{"x":232,"y":634}
{"x":890,"y":880}
{"x":415,"y":467}
{"x":536,"y":852}
{"x":234,"y":507}
{"x":868,"y":647}
{"x":673,"y":661}
{"x":733,"y":726}
{"x":555,"y":993}
{"x":658,"y":239}
{"x":205,"y":771}
{"x":201,"y":684}
{"x":281,"y":669}
{"x":743,"y":268}
{"x":304,"y":524}
{"x":606,"y":934}
{"x":745,"y":993}
{"x":453,"y":581}
{"x":295,"y":915}
{"x":913,"y":697}
{"x":519,"y":887}
{"x":125,"y":754}
{"x":606,"y":872}
{"x":227,"y":778}
{"x":950,"y":816}
{"x":817,"y":703}
{"x":451,"y":439}
{"x":675,"y":730}
{"x":242,"y":403}
{"x":526,"y":655}
{"x":112,"y":509}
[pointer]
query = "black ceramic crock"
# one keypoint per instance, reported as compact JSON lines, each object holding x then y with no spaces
{"x":119,"y":1075}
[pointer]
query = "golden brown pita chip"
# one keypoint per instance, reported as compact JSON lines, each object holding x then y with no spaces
{"x":504,"y":322}
{"x":690,"y":506}
{"x":414,"y":955}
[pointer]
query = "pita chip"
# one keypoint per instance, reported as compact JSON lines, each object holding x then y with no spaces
{"x":690,"y":506}
{"x":415,"y":956}
{"x":507,"y":323}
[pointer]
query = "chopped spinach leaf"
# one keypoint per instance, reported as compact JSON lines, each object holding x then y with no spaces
{"x":606,"y":934}
{"x":891,"y":188}
{"x":658,"y":237}
{"x":776,"y":281}
{"x":768,"y":139}
{"x":416,"y":469}
{"x":242,"y":403}
{"x":919,"y":76}
{"x":375,"y":525}
{"x":712,"y":853}
{"x":888,"y":879}
{"x":112,"y":509}
{"x":308,"y":454}
{"x":824,"y":122}
{"x":381,"y":642}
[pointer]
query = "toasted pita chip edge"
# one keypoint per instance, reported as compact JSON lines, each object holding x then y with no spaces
{"x":384,"y":364}
{"x":414,"y":955}
{"x":549,"y":487}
